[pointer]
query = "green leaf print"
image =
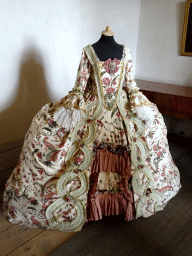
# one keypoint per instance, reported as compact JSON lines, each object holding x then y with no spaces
{"x":47,"y":129}
{"x":114,"y":79}
{"x":113,"y":112}
{"x":108,"y":96}
{"x":35,"y":151}
{"x":102,"y":73}
{"x":110,"y":104}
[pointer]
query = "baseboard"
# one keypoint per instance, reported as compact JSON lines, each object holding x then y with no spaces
{"x":11,"y":144}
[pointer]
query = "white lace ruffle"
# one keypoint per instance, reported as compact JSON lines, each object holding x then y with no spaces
{"x":145,"y":113}
{"x":67,"y":117}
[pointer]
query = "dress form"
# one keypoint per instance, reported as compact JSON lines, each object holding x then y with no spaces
{"x":106,"y":47}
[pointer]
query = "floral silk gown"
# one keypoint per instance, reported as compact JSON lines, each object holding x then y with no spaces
{"x":100,"y":150}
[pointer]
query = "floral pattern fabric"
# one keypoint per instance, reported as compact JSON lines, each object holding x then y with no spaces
{"x":49,"y":186}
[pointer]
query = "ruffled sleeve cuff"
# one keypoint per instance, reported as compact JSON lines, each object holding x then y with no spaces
{"x":140,"y":105}
{"x":67,"y":117}
{"x":74,"y":99}
{"x":69,"y":110}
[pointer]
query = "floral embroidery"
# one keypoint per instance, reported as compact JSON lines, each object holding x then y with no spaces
{"x":106,"y":81}
{"x":111,"y":66}
{"x":110,"y":90}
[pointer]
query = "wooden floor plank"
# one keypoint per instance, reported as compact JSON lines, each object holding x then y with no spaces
{"x":4,"y":224}
{"x":43,"y":243}
{"x":15,"y":236}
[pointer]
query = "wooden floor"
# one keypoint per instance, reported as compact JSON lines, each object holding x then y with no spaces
{"x":20,"y":240}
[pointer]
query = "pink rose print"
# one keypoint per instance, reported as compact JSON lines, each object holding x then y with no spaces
{"x":32,"y":199}
{"x":39,"y":155}
{"x":11,"y":212}
{"x":82,"y":81}
{"x":40,"y":171}
{"x":63,"y":153}
{"x":100,"y":122}
{"x":118,"y":114}
{"x":77,"y":160}
{"x":111,"y":65}
{"x":17,"y":191}
{"x":159,"y":153}
{"x":92,"y":98}
{"x":143,"y":138}
{"x":47,"y":223}
{"x":122,"y":133}
{"x":155,"y":147}
{"x":84,"y":72}
{"x":69,"y":199}
{"x":110,"y":90}
{"x":106,"y":81}
{"x":163,"y":174}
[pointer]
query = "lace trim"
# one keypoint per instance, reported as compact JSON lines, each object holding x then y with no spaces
{"x":137,"y":99}
{"x":145,"y":113}
{"x":67,"y":117}
{"x":131,"y":91}
{"x":54,"y":222}
{"x":121,"y":60}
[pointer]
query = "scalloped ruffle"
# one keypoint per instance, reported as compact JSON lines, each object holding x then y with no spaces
{"x":67,"y":117}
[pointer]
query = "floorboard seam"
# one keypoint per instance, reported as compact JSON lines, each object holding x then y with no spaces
{"x":24,"y":243}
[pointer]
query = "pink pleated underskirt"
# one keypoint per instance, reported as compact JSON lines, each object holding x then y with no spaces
{"x":110,"y":202}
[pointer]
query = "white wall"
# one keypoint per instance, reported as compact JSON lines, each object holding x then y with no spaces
{"x":40,"y":48}
{"x":159,"y":43}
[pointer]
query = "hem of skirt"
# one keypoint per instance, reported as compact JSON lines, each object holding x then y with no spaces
{"x":105,"y":204}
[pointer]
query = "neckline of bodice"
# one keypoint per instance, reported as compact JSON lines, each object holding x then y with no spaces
{"x":121,"y":60}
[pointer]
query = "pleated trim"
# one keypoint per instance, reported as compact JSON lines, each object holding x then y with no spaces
{"x":110,"y":204}
{"x":107,"y":203}
{"x":106,"y":161}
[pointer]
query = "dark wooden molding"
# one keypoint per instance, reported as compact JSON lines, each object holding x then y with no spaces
{"x":172,"y":100}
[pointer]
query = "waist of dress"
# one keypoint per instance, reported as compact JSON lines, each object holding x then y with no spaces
{"x":117,"y":149}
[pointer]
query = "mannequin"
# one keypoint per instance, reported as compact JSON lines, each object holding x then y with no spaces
{"x":106,"y":47}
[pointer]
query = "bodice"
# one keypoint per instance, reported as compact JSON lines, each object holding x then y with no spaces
{"x":110,"y":74}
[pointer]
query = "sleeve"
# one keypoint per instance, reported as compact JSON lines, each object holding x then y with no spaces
{"x":138,"y":102}
{"x":71,"y":107}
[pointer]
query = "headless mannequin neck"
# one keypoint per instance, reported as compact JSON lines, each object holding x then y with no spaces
{"x":106,"y":47}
